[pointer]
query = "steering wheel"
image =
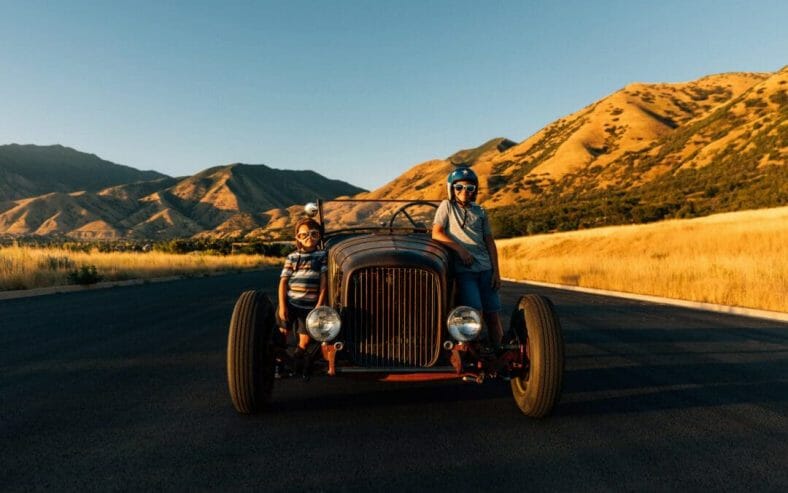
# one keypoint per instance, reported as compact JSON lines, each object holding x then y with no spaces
{"x":404,"y":211}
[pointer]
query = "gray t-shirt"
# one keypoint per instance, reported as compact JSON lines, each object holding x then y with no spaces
{"x":467,"y":226}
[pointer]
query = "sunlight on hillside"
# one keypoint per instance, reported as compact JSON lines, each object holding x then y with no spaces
{"x":732,"y":259}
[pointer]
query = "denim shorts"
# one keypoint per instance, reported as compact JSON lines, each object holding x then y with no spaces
{"x":474,"y":289}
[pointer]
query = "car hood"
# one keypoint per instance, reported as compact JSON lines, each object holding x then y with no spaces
{"x":377,"y":250}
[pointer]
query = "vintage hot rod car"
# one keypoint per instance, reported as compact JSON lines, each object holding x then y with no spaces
{"x":390,"y":314}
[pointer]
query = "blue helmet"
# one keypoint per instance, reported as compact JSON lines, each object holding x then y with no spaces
{"x":458,"y":174}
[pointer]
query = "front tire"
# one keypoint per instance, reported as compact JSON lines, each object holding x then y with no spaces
{"x":538,"y":388}
{"x":250,"y":352}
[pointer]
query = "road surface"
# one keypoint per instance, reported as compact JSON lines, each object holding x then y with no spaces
{"x":125,"y":388}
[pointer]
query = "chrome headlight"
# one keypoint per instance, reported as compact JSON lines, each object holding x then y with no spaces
{"x":464,"y":323}
{"x":323,"y":323}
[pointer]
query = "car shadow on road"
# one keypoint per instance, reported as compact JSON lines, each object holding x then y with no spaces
{"x":356,"y":394}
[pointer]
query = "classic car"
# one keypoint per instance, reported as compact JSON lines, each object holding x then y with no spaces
{"x":390,"y":314}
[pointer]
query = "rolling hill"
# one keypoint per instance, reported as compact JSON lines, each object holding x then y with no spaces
{"x":30,"y":170}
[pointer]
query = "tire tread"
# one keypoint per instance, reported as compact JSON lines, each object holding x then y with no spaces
{"x":248,"y":352}
{"x":547,"y":354}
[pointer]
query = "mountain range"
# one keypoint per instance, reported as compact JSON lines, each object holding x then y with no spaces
{"x":223,"y":200}
{"x":643,"y":153}
{"x":30,"y":170}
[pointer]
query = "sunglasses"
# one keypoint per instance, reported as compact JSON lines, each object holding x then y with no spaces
{"x":459,"y":187}
{"x":315,"y":234}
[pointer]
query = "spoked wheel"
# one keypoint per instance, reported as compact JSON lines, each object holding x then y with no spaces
{"x":537,"y":389}
{"x":250,"y":352}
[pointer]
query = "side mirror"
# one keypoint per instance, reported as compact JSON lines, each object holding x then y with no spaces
{"x":311,"y":209}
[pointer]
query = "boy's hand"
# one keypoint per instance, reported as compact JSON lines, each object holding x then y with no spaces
{"x":465,"y":257}
{"x":496,"y":280}
{"x":283,"y":318}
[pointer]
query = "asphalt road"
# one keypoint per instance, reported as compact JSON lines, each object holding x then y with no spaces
{"x":125,"y":389}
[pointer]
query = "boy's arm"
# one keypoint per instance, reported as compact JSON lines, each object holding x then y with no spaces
{"x":439,"y":235}
{"x":493,"y":251}
{"x":282,"y":292}
{"x":321,"y":298}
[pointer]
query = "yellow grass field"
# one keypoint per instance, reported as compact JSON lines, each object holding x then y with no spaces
{"x":738,"y":258}
{"x":26,"y":267}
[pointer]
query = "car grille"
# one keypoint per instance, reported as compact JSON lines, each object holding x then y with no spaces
{"x":392,"y":317}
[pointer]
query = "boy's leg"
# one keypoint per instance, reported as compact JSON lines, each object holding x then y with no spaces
{"x":304,"y":356}
{"x":301,"y":355}
{"x":473,"y":289}
{"x":467,"y":284}
{"x":491,"y":306}
{"x":493,"y":320}
{"x":299,"y":326}
{"x":303,"y":341}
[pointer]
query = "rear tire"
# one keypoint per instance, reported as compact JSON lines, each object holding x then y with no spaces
{"x":538,"y":389}
{"x":250,"y":352}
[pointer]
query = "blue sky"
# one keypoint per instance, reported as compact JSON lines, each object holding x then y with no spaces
{"x":355,"y":90}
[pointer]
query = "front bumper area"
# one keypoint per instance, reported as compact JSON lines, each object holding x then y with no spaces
{"x":470,"y":362}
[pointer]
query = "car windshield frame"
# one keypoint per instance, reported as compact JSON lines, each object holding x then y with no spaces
{"x":380,"y":227}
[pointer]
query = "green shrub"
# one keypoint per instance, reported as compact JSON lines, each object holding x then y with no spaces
{"x":86,"y":274}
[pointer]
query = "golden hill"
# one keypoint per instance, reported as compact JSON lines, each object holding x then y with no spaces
{"x":644,"y":153}
{"x":628,"y":138}
{"x":650,"y":152}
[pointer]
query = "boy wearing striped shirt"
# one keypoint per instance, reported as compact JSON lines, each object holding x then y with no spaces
{"x":302,"y":286}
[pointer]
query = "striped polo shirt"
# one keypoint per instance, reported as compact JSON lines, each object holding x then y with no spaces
{"x":303,"y":270}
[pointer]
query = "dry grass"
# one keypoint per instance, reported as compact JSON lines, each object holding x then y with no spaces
{"x":26,"y":267}
{"x":734,"y":259}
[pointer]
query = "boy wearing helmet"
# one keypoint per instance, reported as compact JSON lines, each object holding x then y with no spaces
{"x":463,"y":226}
{"x":302,"y":287}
